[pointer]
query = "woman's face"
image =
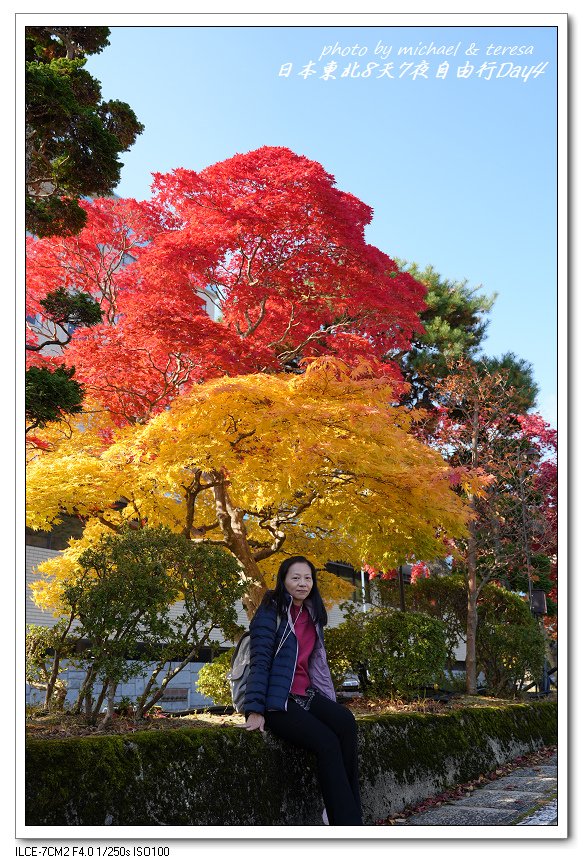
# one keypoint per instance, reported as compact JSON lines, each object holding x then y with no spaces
{"x":299,"y":581}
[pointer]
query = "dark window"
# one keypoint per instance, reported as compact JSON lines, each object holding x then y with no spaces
{"x":347,"y":572}
{"x":59,"y":536}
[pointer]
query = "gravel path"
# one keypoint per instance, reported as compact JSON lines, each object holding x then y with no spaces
{"x":523,"y":796}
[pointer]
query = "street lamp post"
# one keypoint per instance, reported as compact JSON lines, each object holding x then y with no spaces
{"x":362,"y":586}
{"x":401,"y":588}
{"x":538,"y":607}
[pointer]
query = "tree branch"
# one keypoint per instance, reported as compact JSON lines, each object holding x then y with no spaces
{"x":285,"y":356}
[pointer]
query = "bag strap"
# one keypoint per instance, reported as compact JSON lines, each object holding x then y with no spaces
{"x":285,"y":634}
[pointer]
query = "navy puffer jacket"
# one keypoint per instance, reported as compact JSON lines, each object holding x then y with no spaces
{"x":274,"y":653}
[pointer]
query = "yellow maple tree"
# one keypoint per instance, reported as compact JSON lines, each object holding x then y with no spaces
{"x":321,"y":464}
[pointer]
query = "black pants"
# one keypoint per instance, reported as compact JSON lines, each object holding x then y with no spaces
{"x":329,"y":730}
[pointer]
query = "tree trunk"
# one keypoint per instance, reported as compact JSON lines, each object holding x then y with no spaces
{"x":232,"y":525}
{"x":52,"y":680}
{"x":141,"y":701}
{"x":59,"y":695}
{"x":39,"y":686}
{"x":472,"y":577}
{"x":111,"y":689}
{"x":472,"y":617}
{"x":253,"y":596}
{"x":94,"y":712}
{"x":148,"y":703}
{"x":84,"y":691}
{"x":28,"y":152}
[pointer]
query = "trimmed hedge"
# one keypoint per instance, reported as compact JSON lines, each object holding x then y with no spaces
{"x":401,"y":651}
{"x":225,"y":776}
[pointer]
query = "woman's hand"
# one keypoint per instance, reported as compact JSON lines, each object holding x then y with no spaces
{"x":255,"y":721}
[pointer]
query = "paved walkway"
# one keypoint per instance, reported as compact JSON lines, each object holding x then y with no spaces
{"x":524,"y":797}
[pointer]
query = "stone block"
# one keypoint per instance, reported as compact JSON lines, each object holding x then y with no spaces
{"x":512,"y":799}
{"x":536,"y":772}
{"x":534,"y":784}
{"x":453,"y":815}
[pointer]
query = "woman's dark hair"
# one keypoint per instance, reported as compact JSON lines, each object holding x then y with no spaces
{"x":277,"y":595}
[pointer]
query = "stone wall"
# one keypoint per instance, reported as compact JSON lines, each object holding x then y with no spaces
{"x":224,"y":776}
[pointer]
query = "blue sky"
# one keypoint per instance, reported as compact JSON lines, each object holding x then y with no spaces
{"x":460,"y":171}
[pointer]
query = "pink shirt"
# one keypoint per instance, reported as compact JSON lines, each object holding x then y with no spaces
{"x":306,"y":637}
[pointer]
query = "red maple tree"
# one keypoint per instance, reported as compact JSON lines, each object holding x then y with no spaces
{"x":266,"y":240}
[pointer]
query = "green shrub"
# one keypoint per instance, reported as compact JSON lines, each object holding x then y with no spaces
{"x":510,"y":646}
{"x":401,"y":652}
{"x":45,"y":649}
{"x":510,"y":643}
{"x":444,"y":597}
{"x":122,"y":592}
{"x":212,"y":679}
{"x":404,"y":651}
{"x":343,"y":647}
